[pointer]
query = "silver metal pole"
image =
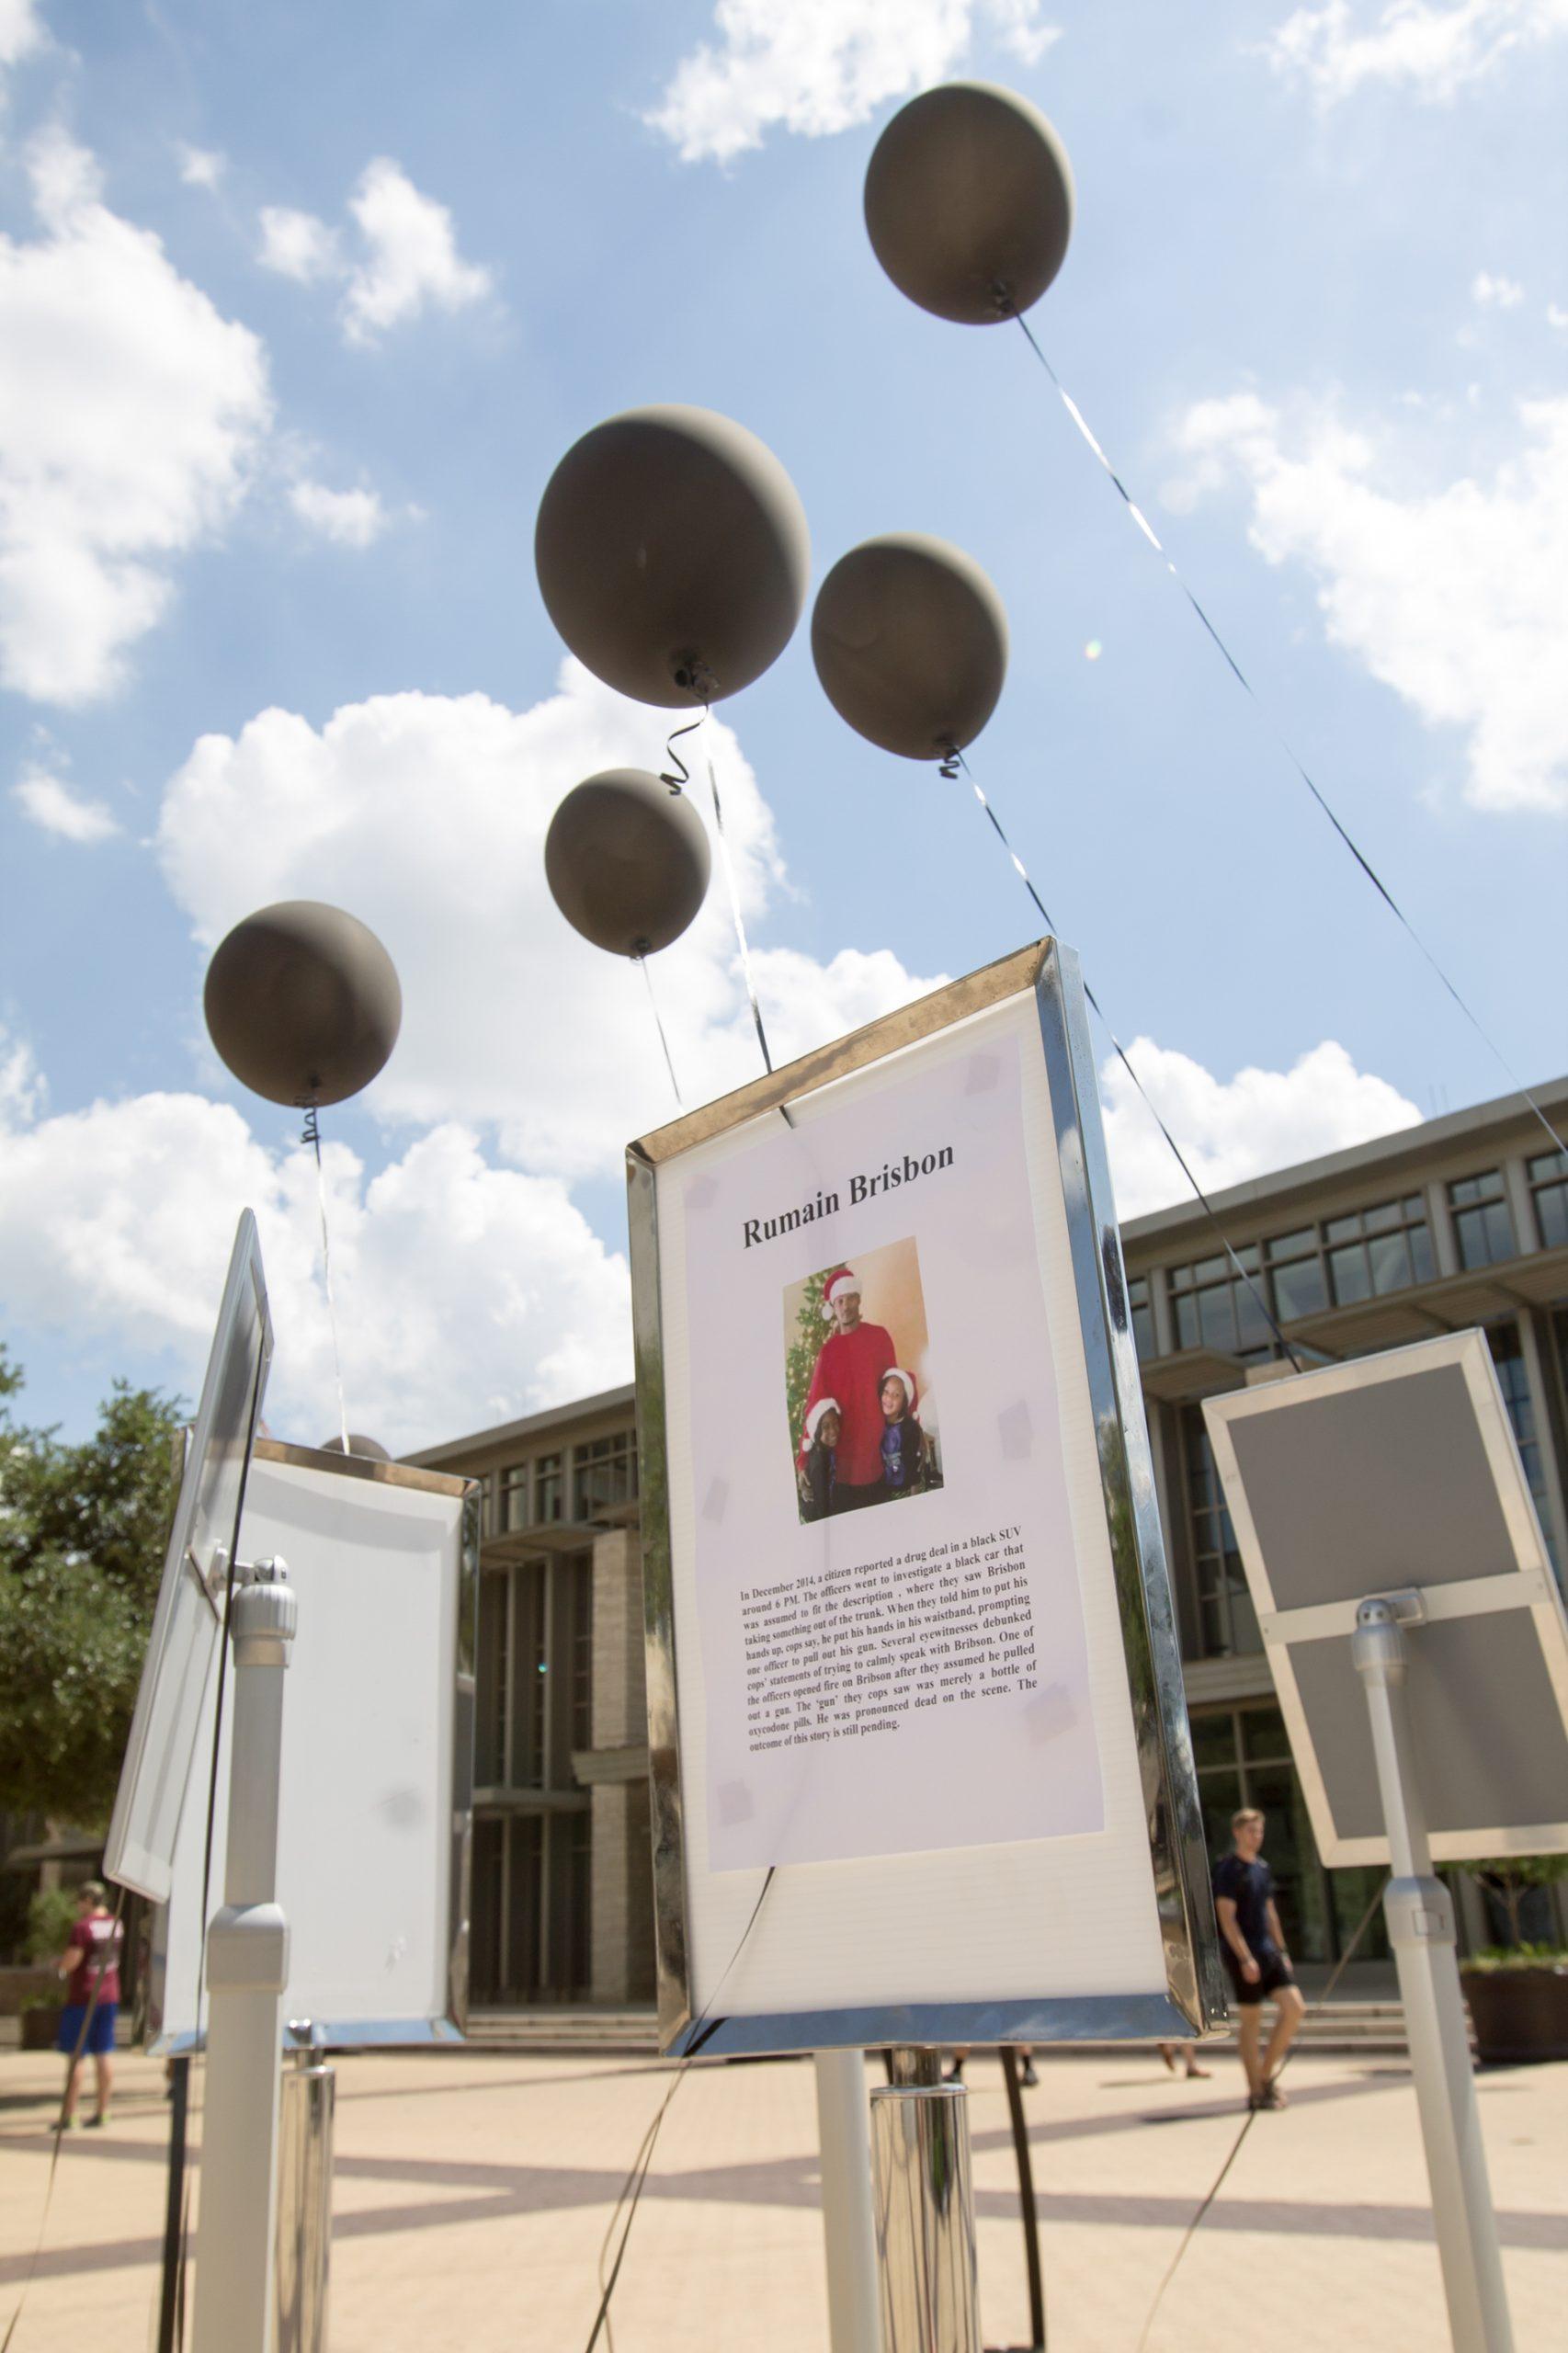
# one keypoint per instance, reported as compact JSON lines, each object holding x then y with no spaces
{"x":248,"y":1968}
{"x":1420,"y":1918}
{"x":304,"y":2201}
{"x":848,"y":2218}
{"x":924,"y":2209}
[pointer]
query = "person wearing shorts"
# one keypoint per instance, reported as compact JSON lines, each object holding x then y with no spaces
{"x":91,"y":1964}
{"x":1252,"y":1944}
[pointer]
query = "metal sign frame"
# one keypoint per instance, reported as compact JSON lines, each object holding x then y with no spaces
{"x":1194,"y":1996}
{"x":1530,"y":1586}
{"x":188,"y":1581}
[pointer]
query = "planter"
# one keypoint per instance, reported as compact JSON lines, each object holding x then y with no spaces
{"x":39,"y":2026}
{"x":1520,"y":2015}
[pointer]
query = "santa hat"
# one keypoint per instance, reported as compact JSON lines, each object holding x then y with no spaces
{"x":824,"y":1405}
{"x":838,"y":1285}
{"x":911,"y":1396}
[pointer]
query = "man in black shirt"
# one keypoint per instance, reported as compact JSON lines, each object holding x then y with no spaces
{"x":1255,"y":1958}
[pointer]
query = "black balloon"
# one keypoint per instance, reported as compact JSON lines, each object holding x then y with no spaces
{"x":909,"y":642}
{"x":673,"y":554}
{"x":371,"y":1449}
{"x":969,"y":202}
{"x":627,"y":861}
{"x":302,"y":1003}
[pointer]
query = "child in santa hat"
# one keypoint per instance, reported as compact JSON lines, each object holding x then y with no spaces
{"x":823,"y":1427}
{"x":902,"y":1449}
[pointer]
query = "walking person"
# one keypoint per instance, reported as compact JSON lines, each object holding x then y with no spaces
{"x":1255,"y":1960}
{"x":91,"y":1964}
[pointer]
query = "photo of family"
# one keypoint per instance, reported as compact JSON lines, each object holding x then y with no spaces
{"x":862,"y":1414}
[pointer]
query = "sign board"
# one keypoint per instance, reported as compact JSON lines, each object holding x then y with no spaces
{"x":188,"y":1620}
{"x":909,"y":1640}
{"x":1399,"y":1473}
{"x":376,"y":1787}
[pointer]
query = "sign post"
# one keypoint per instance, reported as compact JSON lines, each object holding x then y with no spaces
{"x":1417,"y":1641}
{"x":1420,"y":1916}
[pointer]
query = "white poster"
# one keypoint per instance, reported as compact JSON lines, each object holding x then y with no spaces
{"x":892,"y":1635}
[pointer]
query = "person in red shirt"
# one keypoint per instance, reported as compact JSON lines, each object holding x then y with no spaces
{"x":91,"y":1964}
{"x":849,"y":1366}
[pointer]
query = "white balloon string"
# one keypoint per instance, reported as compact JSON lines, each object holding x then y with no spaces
{"x":736,"y":912}
{"x":957,"y":759}
{"x":641,"y":963}
{"x":1379,"y":885}
{"x":313,"y":1137}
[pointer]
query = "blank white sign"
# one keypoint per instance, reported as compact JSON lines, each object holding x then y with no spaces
{"x":377,"y":1764}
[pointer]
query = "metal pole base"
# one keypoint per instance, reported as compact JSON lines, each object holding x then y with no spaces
{"x":305,"y":2205}
{"x":925,"y":2203}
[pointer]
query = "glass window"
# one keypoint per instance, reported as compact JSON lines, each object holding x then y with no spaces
{"x":512,"y":1497}
{"x":604,"y":1472}
{"x":1548,"y":1174}
{"x":1482,"y":1227}
{"x":1376,"y":1250}
{"x":1217,"y":1308}
{"x":1227,"y":1622}
{"x":1214,"y":1737}
{"x":550,"y":1486}
{"x":1141,"y":1308}
{"x":1513,"y":1379}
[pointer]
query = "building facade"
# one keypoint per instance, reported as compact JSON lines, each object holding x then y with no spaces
{"x":1462,"y":1220}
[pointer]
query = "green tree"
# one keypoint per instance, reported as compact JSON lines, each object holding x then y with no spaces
{"x":1510,"y":1878}
{"x":810,"y":1331}
{"x":82,"y":1535}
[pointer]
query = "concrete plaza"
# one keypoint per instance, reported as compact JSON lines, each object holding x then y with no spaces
{"x":473,"y":2189}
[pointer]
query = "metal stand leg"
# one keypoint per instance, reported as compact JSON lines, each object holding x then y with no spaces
{"x":304,"y":2203}
{"x":248,"y":1968}
{"x":1027,"y":2205}
{"x":924,"y":2207}
{"x":1421,"y":1929}
{"x":170,"y":2297}
{"x":849,"y":2219}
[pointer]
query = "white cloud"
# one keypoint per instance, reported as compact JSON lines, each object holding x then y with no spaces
{"x":817,"y":67}
{"x":21,"y":31}
{"x":351,"y":518}
{"x":465,"y":1294}
{"x":22,"y":1090}
{"x":50,"y":802}
{"x":426,"y":816}
{"x":412,"y":257}
{"x":1500,"y":293}
{"x":201,"y":166}
{"x":409,"y":260}
{"x":129,"y":413}
{"x":1556,"y":317}
{"x":1457,"y":597}
{"x":298,"y":245}
{"x":1229,"y":1130}
{"x":1434,"y":48}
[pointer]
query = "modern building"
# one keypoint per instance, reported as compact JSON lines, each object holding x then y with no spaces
{"x":1461,"y":1220}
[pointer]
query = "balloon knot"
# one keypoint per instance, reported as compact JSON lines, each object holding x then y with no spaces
{"x":1002,"y":297}
{"x":311,"y":1133}
{"x":694,"y":677}
{"x":952,"y":761}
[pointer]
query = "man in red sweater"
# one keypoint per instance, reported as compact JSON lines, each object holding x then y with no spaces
{"x":849,"y":1366}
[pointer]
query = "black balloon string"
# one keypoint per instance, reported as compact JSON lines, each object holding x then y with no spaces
{"x":953,"y":766}
{"x":310,"y":1135}
{"x":1005,"y":309}
{"x":678,"y":783}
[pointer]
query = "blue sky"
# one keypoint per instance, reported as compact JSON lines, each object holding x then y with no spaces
{"x":298,"y":310}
